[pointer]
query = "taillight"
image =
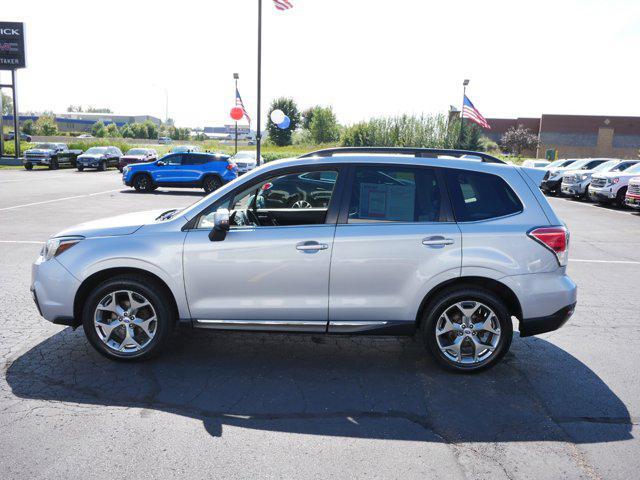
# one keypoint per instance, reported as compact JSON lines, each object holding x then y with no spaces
{"x":231,"y":166}
{"x":555,"y":239}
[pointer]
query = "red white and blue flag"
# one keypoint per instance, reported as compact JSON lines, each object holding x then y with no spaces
{"x":472,"y":113}
{"x":239,"y":104}
{"x":282,"y":4}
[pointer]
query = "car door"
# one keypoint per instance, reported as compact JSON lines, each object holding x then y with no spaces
{"x":272,"y":276}
{"x":170,"y":171}
{"x":192,"y":166}
{"x":395,"y":240}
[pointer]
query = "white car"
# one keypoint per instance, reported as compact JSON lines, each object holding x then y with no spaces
{"x":245,"y":161}
{"x":552,"y":181}
{"x":536,"y":163}
{"x":632,"y":198}
{"x":612,"y":187}
{"x":575,"y":183}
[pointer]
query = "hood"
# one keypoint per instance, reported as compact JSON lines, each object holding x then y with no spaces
{"x":133,"y":157}
{"x":112,"y":226}
{"x":91,"y":155}
{"x":616,"y":174}
{"x":39,"y":151}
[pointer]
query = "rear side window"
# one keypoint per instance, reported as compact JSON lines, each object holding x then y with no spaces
{"x":395,"y":194}
{"x":480,"y":196}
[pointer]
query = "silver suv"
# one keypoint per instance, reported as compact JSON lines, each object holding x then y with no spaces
{"x":340,"y":241}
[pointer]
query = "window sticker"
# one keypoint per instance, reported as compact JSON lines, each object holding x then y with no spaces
{"x":387,"y":202}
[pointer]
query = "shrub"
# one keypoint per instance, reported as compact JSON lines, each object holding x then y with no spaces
{"x":277,"y":135}
{"x":98,"y":130}
{"x":112,"y":131}
{"x":517,"y":140}
{"x":46,"y":126}
{"x":324,"y":126}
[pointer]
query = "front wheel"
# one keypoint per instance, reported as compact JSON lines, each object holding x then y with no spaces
{"x":103,"y":166}
{"x":619,"y":201}
{"x":80,"y":168}
{"x":143,"y":183}
{"x":28,"y":166}
{"x":467,"y":329}
{"x":53,"y":165}
{"x":128,"y":318}
{"x":211,"y":183}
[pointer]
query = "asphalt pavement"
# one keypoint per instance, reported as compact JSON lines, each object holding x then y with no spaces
{"x":244,"y":405}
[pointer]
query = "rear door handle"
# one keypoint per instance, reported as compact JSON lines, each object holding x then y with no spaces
{"x":437,"y":241}
{"x":311,"y":246}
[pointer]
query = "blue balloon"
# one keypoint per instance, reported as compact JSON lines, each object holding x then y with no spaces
{"x":285,"y":123}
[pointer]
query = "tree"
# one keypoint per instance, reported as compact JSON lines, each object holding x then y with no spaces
{"x":278,"y":136}
{"x":74,"y":108}
{"x":46,"y":125}
{"x":471,"y":135}
{"x":324,"y":126}
{"x":126,"y":131}
{"x":7,"y":104}
{"x":28,"y":127}
{"x":111,"y":131}
{"x":307,"y":116}
{"x":92,"y":109}
{"x":98,"y":129}
{"x":517,"y":140}
{"x":139,"y":130}
{"x":152,"y":129}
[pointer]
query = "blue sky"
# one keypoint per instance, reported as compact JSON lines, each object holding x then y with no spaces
{"x":364,"y":57}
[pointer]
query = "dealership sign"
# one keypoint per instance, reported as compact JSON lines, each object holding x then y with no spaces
{"x":12,"y":55}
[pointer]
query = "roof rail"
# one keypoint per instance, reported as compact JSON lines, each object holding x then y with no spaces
{"x":416,"y":152}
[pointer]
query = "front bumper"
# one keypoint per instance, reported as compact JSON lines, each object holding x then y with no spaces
{"x":89,"y":163}
{"x":632,"y":201}
{"x":54,"y":290}
{"x":550,"y":185}
{"x":574,"y":189}
{"x":536,"y":326}
{"x":602,"y":194}
{"x":36,"y":160}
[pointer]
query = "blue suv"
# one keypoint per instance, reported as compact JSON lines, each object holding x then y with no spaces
{"x":183,"y":170}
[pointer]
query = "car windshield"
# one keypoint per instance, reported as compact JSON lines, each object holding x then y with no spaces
{"x":249,"y":155}
{"x":97,"y":150}
{"x":634,"y":169}
{"x":46,"y":146}
{"x":606,"y":166}
{"x":557,"y":163}
{"x":622,"y":166}
{"x":137,"y":151}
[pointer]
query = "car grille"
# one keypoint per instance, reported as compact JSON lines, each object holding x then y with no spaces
{"x":241,"y":165}
{"x":570,"y":179}
{"x":634,"y":189}
{"x":598,"y":182}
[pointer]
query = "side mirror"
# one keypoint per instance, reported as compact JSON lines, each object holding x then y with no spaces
{"x":160,"y":163}
{"x":220,"y":225}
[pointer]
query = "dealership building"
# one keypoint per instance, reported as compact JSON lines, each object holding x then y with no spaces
{"x":82,"y":122}
{"x":576,"y":136}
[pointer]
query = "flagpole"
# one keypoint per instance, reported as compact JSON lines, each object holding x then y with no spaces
{"x":464,"y":95}
{"x":258,"y":134}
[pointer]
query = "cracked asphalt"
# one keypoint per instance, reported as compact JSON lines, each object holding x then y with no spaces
{"x":244,"y":405}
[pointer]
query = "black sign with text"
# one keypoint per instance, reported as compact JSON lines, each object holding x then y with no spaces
{"x":12,"y":54}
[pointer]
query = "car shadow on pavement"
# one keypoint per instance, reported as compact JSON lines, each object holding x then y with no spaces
{"x":360,"y":387}
{"x":180,"y":193}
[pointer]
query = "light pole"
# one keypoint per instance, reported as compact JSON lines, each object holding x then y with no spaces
{"x":258,"y":134}
{"x":464,"y":96}
{"x":235,"y":77}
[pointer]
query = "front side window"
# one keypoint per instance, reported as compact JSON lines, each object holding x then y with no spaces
{"x":301,"y":198}
{"x":173,"y":160}
{"x":395,"y":194}
{"x":480,"y":196}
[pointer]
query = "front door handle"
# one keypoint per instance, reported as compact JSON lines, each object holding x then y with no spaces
{"x":437,"y":241}
{"x":311,"y":246}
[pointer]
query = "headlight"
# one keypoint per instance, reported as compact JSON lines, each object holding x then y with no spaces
{"x":615,"y":180}
{"x":55,"y":246}
{"x":583,"y":177}
{"x":125,"y":170}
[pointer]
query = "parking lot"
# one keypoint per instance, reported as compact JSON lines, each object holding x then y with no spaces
{"x":241,"y":405}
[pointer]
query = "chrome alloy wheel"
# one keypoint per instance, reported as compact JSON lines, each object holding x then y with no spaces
{"x":468,"y":332}
{"x":125,"y":321}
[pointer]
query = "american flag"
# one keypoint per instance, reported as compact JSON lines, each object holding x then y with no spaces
{"x":241,"y":105}
{"x":472,"y":113}
{"x":282,"y":4}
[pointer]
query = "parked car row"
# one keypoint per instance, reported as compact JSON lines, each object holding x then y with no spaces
{"x":602,"y":180}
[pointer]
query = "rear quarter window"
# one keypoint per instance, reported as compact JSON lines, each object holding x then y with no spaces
{"x":480,"y":196}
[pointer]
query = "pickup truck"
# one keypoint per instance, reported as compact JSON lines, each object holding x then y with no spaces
{"x":632,"y":198}
{"x":51,"y":155}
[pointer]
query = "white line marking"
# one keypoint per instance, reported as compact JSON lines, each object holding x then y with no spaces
{"x":624,"y":262}
{"x":595,"y":205}
{"x":22,"y":241}
{"x":31,"y":179}
{"x":59,"y":199}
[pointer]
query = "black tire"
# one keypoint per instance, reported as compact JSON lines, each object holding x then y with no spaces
{"x":447,"y":299}
{"x":120,"y":169}
{"x":103,"y":166}
{"x":143,"y":183}
{"x":211,"y":183}
{"x":80,"y":168}
{"x":150,"y":290}
{"x":28,"y":166}
{"x":53,"y":165}
{"x":619,"y":201}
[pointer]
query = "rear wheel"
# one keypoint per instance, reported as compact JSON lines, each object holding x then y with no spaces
{"x":128,"y":318}
{"x":211,"y":183}
{"x":80,"y":168}
{"x":467,"y":329}
{"x":28,"y":166}
{"x":143,"y":183}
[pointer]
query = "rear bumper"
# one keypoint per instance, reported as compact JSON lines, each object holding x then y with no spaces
{"x":535,"y":326}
